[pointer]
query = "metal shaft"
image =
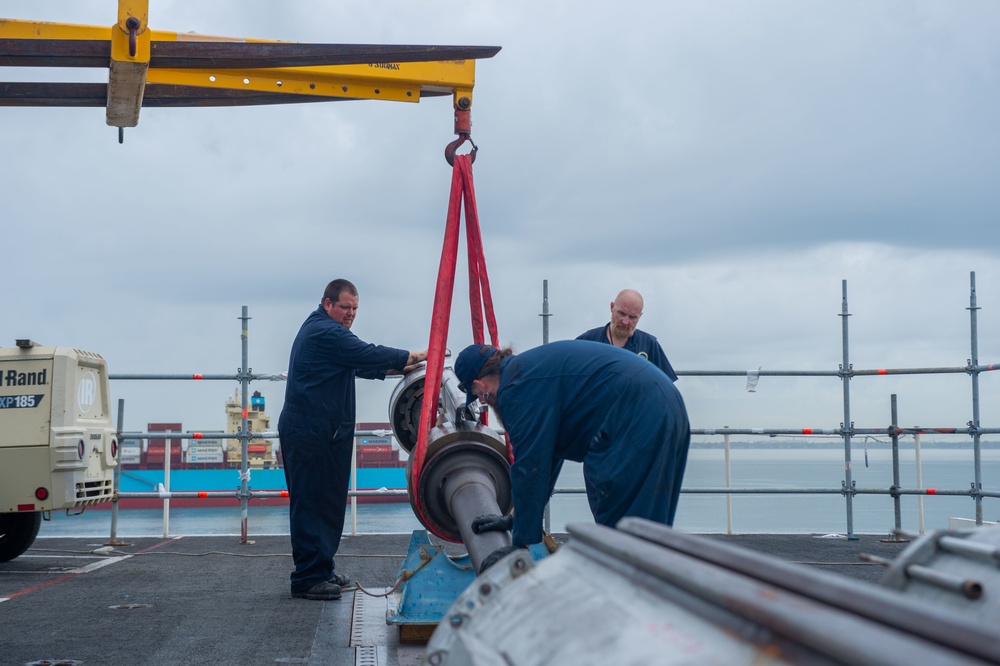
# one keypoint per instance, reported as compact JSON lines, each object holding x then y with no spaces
{"x":465,"y":473}
{"x":471,"y":493}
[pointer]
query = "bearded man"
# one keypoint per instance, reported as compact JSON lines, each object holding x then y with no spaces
{"x":621,"y":331}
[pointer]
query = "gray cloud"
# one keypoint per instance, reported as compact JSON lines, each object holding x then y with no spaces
{"x":734,"y":161}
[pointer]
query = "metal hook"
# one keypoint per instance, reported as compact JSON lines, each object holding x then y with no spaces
{"x":133,"y":26}
{"x":449,"y":150}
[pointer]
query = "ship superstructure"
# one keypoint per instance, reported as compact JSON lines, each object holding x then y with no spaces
{"x":261,"y":453}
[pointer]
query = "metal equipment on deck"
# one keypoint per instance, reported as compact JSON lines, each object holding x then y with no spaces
{"x":465,"y":474}
{"x":954,"y":571}
{"x":644,"y":593}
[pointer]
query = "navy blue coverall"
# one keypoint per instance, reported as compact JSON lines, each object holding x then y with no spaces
{"x":641,"y":343}
{"x":316,"y":430}
{"x":605,"y":407}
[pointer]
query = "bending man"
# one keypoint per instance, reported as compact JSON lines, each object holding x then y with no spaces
{"x":596,"y":404}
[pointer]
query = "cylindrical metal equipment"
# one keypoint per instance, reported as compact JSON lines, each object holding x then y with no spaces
{"x":465,"y":472}
{"x":470,"y":492}
{"x":646,"y":594}
{"x":956,"y":571}
{"x":404,"y":409}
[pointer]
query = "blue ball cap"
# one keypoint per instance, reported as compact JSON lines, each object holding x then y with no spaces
{"x":468,"y":364}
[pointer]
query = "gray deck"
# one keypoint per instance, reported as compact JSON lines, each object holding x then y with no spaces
{"x":211,"y":600}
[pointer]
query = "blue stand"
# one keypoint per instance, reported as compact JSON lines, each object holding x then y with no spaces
{"x":431,"y":581}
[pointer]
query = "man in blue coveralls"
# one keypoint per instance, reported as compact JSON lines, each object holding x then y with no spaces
{"x":316,"y":428}
{"x":621,"y":332}
{"x":592,"y":403}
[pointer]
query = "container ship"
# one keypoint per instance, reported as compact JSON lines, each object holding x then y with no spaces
{"x":213,"y":464}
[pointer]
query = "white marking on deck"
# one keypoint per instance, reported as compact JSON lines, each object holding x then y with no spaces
{"x":93,"y":566}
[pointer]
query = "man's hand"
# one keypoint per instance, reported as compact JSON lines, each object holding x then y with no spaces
{"x":496,"y":556}
{"x":492,"y":523}
{"x":414,"y":360}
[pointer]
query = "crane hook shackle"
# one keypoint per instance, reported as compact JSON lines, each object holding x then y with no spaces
{"x":133,"y":25}
{"x":463,"y":128}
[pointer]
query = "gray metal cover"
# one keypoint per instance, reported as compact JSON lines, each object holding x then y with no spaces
{"x":610,"y":597}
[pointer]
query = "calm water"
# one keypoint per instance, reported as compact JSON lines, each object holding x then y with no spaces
{"x":783,"y":468}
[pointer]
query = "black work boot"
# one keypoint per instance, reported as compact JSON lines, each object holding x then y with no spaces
{"x":325,"y":591}
{"x":339,"y":579}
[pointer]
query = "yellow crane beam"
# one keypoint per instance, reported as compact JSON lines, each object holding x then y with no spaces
{"x":130,"y":51}
{"x":155,"y":68}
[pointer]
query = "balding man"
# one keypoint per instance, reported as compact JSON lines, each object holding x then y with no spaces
{"x":621,"y":332}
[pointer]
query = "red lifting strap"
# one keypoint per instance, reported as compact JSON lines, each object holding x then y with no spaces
{"x":479,"y":297}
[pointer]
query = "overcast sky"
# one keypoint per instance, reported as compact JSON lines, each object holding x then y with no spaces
{"x":734,"y":161}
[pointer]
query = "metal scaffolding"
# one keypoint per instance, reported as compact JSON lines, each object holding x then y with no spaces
{"x":846,"y":431}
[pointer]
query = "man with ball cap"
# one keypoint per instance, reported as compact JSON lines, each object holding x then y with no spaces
{"x":588,"y":402}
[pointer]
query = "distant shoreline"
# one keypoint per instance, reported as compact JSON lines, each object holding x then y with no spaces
{"x":838,"y":443}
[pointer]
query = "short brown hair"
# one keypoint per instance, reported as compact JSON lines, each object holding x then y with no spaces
{"x":336,"y":287}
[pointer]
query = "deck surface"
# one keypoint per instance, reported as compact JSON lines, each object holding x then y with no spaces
{"x":213,"y":600}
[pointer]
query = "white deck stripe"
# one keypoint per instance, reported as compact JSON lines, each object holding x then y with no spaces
{"x":93,"y":566}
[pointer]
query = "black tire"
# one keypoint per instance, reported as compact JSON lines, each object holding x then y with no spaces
{"x":17,"y":533}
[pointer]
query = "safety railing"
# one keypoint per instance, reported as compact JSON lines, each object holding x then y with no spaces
{"x":846,"y":430}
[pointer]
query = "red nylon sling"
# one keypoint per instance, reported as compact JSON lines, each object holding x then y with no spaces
{"x":480,"y":301}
